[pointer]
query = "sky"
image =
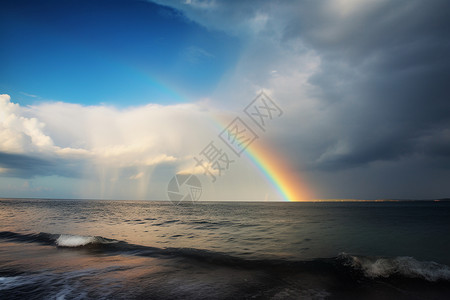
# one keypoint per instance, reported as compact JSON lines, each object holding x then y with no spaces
{"x":110,"y":99}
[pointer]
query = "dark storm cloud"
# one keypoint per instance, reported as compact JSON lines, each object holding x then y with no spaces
{"x":384,"y":78}
{"x":28,"y":166}
{"x":368,"y":27}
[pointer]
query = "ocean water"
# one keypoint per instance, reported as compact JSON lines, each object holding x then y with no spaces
{"x":92,"y":249}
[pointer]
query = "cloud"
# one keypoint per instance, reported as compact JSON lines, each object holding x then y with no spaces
{"x":372,"y":74}
{"x":109,"y":153}
{"x":364,"y":88}
{"x":57,"y":138}
{"x":195,"y":54}
{"x":30,"y":95}
{"x":364,"y":84}
{"x":137,"y":176}
{"x":18,"y":133}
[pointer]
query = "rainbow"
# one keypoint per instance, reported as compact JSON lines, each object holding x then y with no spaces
{"x":158,"y":86}
{"x":275,"y":169}
{"x":286,"y":181}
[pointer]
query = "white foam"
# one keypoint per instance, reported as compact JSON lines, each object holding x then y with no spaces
{"x":405,"y":266}
{"x":67,"y":240}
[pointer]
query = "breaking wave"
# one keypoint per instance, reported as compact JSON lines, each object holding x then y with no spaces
{"x":68,"y":240}
{"x":404,"y":266}
{"x":343,"y":265}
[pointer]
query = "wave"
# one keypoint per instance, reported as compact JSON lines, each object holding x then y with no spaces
{"x":68,"y":240}
{"x":384,"y":267}
{"x":344,"y":264}
{"x":59,"y":240}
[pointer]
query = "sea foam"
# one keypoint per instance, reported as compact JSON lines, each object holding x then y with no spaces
{"x":374,"y":267}
{"x":67,"y":240}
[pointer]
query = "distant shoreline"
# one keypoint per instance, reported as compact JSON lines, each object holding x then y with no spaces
{"x":246,"y":201}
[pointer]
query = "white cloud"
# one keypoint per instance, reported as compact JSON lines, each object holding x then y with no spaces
{"x":147,"y":135}
{"x":137,"y":176}
{"x":195,"y":54}
{"x":204,"y":4}
{"x":112,"y":153}
{"x":258,"y":22}
{"x":102,"y":143}
{"x":347,"y":8}
{"x":19,"y":134}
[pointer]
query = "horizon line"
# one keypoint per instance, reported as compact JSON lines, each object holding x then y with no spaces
{"x":241,"y":200}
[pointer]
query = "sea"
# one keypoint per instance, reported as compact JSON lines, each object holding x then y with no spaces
{"x":101,"y":249}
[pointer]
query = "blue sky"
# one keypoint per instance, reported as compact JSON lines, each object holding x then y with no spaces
{"x":109,"y":99}
{"x":116,"y":52}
